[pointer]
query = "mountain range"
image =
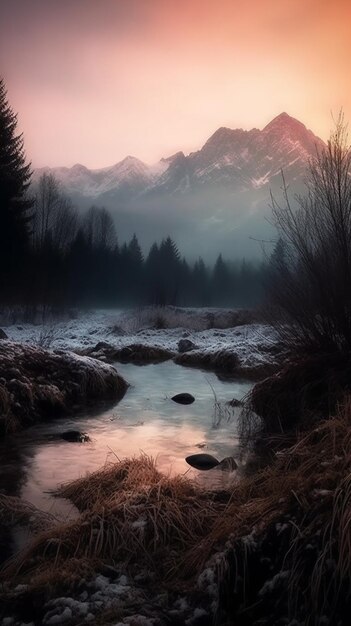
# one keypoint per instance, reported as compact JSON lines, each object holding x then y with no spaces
{"x":213,"y":199}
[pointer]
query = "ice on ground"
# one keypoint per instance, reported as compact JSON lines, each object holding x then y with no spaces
{"x":254,"y":343}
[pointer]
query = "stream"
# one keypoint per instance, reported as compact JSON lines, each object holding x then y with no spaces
{"x":36,"y":461}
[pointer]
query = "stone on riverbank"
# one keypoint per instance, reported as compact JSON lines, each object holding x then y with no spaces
{"x":137,"y":353}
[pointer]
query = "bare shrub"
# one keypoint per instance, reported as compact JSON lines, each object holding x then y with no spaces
{"x":159,"y":318}
{"x":47,"y":335}
{"x":310,"y":282}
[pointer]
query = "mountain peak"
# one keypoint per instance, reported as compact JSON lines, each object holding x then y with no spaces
{"x":231,"y":159}
{"x":174,"y":157}
{"x":284,"y":121}
{"x":130,"y":159}
{"x":79,"y":168}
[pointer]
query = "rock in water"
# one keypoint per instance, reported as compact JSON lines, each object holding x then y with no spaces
{"x":183,"y":398}
{"x":202,"y":461}
{"x":228,"y":464}
{"x":207,"y":462}
{"x":3,"y":334}
{"x":74,"y":435}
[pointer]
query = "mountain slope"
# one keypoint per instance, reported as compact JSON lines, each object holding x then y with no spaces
{"x":238,"y":159}
{"x":219,"y":193}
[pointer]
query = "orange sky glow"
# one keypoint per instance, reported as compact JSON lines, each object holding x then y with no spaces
{"x":96,"y":80}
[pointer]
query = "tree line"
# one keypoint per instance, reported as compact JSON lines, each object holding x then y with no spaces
{"x":77,"y":260}
{"x":51,"y":255}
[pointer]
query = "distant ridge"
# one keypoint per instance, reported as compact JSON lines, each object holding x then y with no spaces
{"x":210,"y":200}
{"x":242,"y":159}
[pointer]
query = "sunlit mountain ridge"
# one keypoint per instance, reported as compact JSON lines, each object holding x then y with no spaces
{"x":220,"y":193}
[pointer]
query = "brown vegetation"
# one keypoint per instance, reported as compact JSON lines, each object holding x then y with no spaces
{"x":297,"y":396}
{"x":14,"y":510}
{"x":129,"y":512}
{"x":278,"y":543}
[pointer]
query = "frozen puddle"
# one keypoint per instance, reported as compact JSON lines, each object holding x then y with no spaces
{"x":146,"y":420}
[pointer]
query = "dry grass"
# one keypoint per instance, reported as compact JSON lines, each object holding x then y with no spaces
{"x":196,"y":319}
{"x":320,"y":460}
{"x":130,"y":513}
{"x":14,"y":510}
{"x":106,"y":484}
{"x":301,"y":393}
{"x":308,"y":488}
{"x":8,"y":421}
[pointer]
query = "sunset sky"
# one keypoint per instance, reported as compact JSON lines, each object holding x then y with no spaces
{"x":96,"y":80}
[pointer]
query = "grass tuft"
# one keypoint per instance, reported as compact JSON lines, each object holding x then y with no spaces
{"x":278,"y":541}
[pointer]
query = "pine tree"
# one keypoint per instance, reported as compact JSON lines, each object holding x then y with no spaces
{"x":170,"y":270}
{"x":134,"y":271}
{"x":200,"y":282}
{"x":15,"y":176}
{"x":221,"y":284}
{"x":153,"y":288}
{"x":135,"y":253}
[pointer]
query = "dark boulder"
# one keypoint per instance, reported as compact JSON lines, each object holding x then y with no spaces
{"x":3,"y":334}
{"x":202,"y":461}
{"x":207,"y":462}
{"x":185,"y":345}
{"x":183,"y":398}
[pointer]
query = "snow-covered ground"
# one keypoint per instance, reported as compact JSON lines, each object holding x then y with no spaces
{"x":255,"y":344}
{"x":211,"y":331}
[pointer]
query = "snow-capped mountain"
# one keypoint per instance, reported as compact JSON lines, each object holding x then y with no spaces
{"x":236,"y":159}
{"x":218,"y":192}
{"x":242,"y":160}
{"x":130,"y":175}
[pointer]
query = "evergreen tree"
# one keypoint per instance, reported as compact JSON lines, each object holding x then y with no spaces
{"x":15,"y":175}
{"x":170,"y":266}
{"x":134,"y":271}
{"x":185,"y":291}
{"x":153,"y":287}
{"x":135,"y":253}
{"x":201,"y":287}
{"x":221,"y":283}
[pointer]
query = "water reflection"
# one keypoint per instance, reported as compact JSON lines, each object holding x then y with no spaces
{"x":146,"y":420}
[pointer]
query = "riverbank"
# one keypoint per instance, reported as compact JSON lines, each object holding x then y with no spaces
{"x":38,"y":384}
{"x":233,"y":342}
{"x":149,"y":549}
